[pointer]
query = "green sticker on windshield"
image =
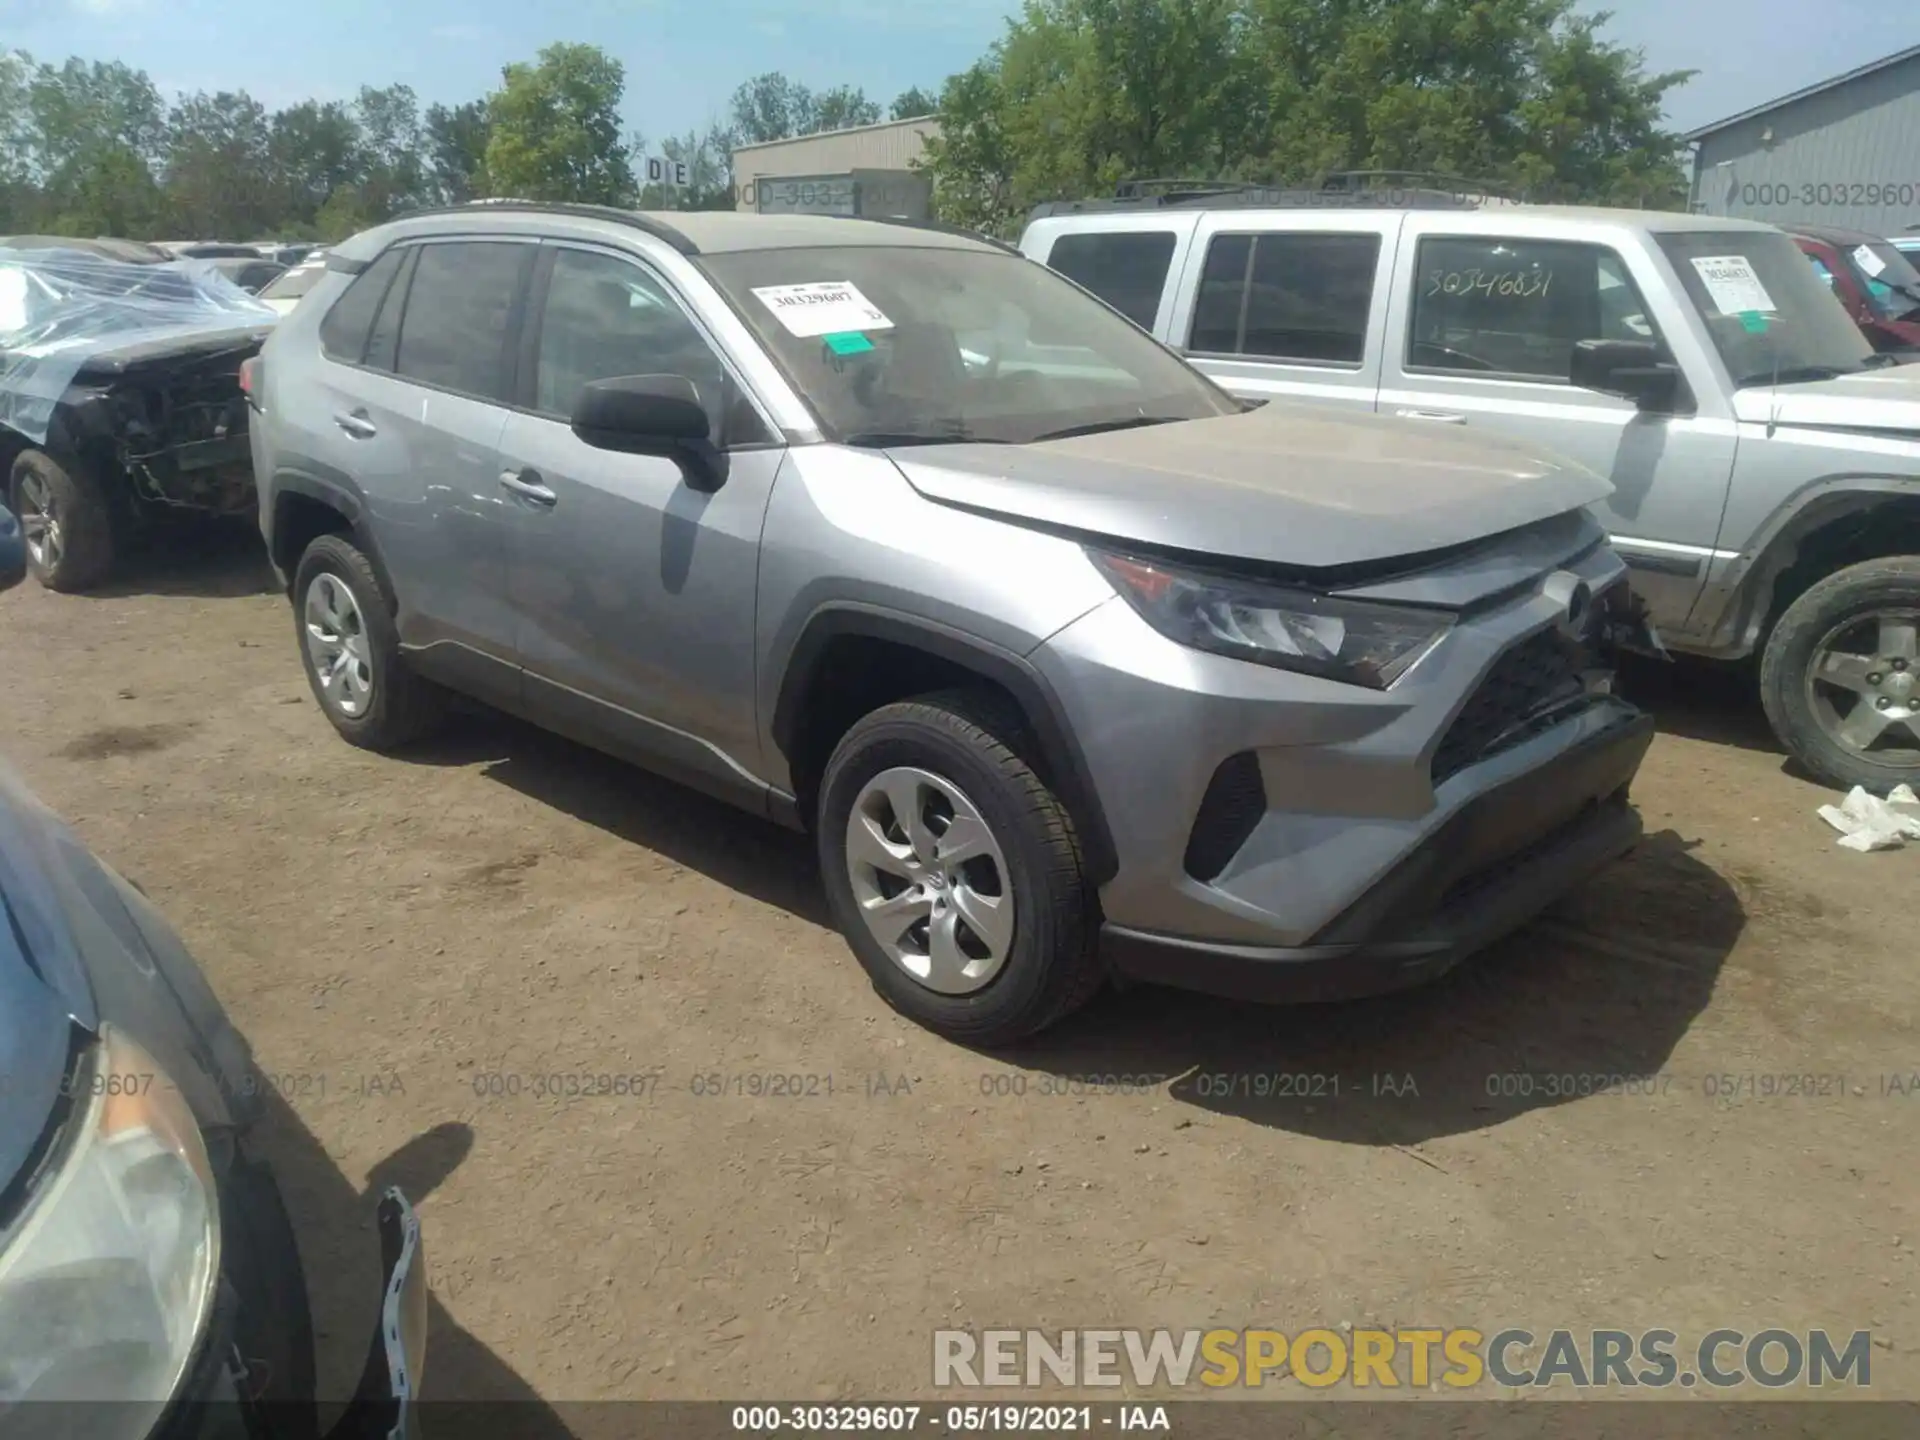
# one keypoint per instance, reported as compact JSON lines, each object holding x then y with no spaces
{"x":1753,"y":322}
{"x":849,"y":342}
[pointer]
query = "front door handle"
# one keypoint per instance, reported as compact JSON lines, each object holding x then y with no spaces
{"x":357,"y":425}
{"x":1438,"y":417}
{"x":526,"y":484}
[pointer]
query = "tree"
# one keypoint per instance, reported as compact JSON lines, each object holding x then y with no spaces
{"x":843,"y":108}
{"x":456,"y":151}
{"x":393,"y":177}
{"x":911,"y":104}
{"x":555,"y":128}
{"x":313,"y":149}
{"x":1079,"y":94}
{"x":219,"y":174}
{"x":770,"y":107}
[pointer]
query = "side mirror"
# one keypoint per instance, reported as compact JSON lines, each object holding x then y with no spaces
{"x":652,"y":415}
{"x":1632,"y":369}
{"x":13,"y":551}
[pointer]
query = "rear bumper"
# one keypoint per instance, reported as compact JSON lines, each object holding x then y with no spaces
{"x":1500,"y":860}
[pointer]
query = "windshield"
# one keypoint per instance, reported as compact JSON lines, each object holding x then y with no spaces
{"x":905,"y":344}
{"x":1891,"y":284}
{"x":292,"y":284}
{"x":1768,"y":312}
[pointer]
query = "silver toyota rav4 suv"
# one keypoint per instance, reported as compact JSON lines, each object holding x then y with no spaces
{"x":1075,"y":665}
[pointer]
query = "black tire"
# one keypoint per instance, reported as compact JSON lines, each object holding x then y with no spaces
{"x":1853,"y":593}
{"x":974,"y":742}
{"x":85,"y":516}
{"x":404,"y":707}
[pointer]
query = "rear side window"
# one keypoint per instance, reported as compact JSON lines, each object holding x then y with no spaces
{"x":1125,"y":268}
{"x":383,"y":342}
{"x":343,"y":332}
{"x":1286,"y":297}
{"x":453,"y":333}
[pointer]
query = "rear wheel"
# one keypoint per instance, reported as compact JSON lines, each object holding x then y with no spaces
{"x":351,"y":650}
{"x":954,"y":872}
{"x":1840,"y":678}
{"x":66,"y":518}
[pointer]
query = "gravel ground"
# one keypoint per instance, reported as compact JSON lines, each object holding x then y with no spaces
{"x":403,"y":937}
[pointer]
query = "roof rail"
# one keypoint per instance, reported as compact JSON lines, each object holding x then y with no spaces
{"x":639,"y":221}
{"x":1346,"y":189}
{"x":939,"y":227}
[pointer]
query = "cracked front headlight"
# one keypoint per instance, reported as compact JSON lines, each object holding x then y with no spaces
{"x":1354,"y":641}
{"x":107,"y":1279}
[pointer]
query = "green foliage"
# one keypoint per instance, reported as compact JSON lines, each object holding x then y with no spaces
{"x":772,"y":107}
{"x":555,"y":129}
{"x":912,"y":103}
{"x":1081,"y":94}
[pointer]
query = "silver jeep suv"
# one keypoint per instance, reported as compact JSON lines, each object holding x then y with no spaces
{"x":885,"y":532}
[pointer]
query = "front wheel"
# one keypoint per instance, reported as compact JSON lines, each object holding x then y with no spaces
{"x":66,"y":519}
{"x":955,"y":873}
{"x":1840,"y":678}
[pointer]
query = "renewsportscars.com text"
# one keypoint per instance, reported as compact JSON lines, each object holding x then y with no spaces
{"x":1390,"y":1359}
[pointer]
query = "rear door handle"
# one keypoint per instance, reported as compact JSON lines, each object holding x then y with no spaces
{"x":1438,"y":417}
{"x":526,"y":484}
{"x":357,"y":425}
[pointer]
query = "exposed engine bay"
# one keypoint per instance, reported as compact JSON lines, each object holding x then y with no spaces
{"x":179,"y":432}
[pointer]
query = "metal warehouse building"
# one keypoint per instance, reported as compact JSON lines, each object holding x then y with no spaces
{"x":1845,"y":152}
{"x":867,"y":170}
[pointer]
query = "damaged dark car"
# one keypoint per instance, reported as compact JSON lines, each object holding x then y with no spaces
{"x":120,"y":401}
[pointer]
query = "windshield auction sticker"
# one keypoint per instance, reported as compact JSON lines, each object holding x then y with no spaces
{"x":1732,"y":285}
{"x":824,"y":307}
{"x":1864,"y":257}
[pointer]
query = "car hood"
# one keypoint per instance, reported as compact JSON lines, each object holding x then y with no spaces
{"x":43,"y":991}
{"x":1875,"y":401}
{"x":1290,"y":484}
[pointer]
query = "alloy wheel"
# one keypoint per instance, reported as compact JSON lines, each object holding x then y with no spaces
{"x":1864,"y":686}
{"x":930,"y":880}
{"x":337,"y":647}
{"x":40,"y":521}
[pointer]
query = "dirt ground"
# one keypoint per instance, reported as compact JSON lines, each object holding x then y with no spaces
{"x":399,"y":937}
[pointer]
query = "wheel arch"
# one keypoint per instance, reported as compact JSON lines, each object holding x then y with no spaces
{"x":305,"y":508}
{"x":1801,"y":545}
{"x":849,"y":643}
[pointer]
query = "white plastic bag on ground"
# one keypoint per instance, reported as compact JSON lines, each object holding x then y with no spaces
{"x":1866,"y":822}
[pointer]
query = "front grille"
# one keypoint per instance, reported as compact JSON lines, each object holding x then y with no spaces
{"x":1530,"y":687}
{"x":1229,"y":811}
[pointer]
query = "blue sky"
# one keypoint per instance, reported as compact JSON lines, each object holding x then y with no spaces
{"x":684,"y":57}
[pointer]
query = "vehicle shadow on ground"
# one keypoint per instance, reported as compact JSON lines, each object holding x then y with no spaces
{"x":211,"y":560}
{"x":340,"y":1253}
{"x":752,"y":856}
{"x":1595,"y":994}
{"x":1714,"y":701}
{"x":1593,"y":997}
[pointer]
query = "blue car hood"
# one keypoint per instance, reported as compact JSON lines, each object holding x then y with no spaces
{"x":43,"y":988}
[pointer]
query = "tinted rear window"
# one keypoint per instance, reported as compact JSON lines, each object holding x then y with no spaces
{"x":1299,"y":297}
{"x":343,"y":333}
{"x":1125,"y":268}
{"x":454,"y":331}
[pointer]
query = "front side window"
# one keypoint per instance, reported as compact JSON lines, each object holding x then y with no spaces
{"x":1303,"y":297}
{"x":343,"y":331}
{"x":1498,"y":306}
{"x":453,"y":332}
{"x":908,"y":343}
{"x":606,"y":317}
{"x":1125,"y":268}
{"x":1768,"y":314}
